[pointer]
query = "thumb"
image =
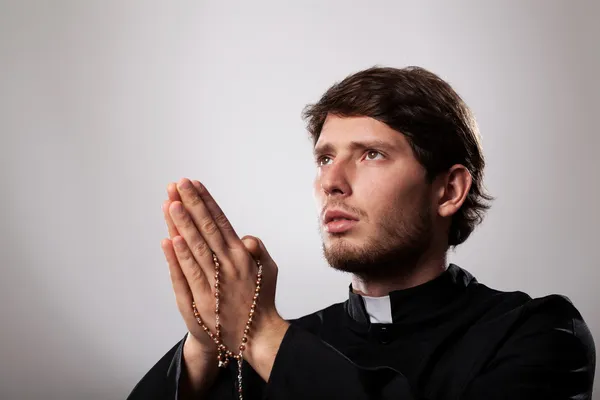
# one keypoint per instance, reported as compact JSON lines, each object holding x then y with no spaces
{"x":252,"y":245}
{"x":256,"y":247}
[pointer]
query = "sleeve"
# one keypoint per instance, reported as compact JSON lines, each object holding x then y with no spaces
{"x":163,"y":380}
{"x":550,"y":356}
{"x":306,"y":367}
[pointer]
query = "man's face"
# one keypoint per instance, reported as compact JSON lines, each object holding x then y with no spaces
{"x":375,"y":204}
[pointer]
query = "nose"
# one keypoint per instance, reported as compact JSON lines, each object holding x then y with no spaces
{"x":334,"y":180}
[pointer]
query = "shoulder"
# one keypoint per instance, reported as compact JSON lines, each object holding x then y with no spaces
{"x":552,"y":311}
{"x":533,"y":348}
{"x":492,"y":304}
{"x":313,"y":322}
{"x":557,"y":314}
{"x":547,"y":331}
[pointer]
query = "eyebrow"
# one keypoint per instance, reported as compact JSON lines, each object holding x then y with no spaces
{"x":368,"y":144}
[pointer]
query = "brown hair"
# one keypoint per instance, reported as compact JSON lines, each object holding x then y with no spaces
{"x":436,"y":122}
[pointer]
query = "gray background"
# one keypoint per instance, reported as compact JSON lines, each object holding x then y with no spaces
{"x":102,"y":103}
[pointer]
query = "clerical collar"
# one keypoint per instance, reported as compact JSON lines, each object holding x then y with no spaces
{"x":409,"y":305}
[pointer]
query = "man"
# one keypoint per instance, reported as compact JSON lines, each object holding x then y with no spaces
{"x":399,"y":182}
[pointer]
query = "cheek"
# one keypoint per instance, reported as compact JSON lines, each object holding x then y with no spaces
{"x":318,"y":194}
{"x":385,"y":195}
{"x":374,"y":198}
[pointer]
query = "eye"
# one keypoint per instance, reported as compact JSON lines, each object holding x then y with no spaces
{"x":372,"y":155}
{"x":323,"y":160}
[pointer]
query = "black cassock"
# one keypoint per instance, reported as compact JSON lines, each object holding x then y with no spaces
{"x":450,"y":338}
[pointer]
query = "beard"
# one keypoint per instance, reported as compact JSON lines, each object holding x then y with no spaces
{"x":402,"y":238}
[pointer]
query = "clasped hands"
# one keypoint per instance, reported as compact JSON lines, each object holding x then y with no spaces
{"x":198,"y":228}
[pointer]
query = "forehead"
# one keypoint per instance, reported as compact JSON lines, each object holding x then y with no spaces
{"x":341,"y":131}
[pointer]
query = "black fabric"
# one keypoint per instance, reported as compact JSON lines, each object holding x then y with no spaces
{"x":451,"y":338}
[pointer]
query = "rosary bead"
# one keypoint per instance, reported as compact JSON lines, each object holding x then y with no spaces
{"x":224,"y":354}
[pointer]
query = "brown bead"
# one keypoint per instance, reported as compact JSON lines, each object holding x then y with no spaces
{"x":242,"y":347}
{"x":244,"y":340}
{"x":246,"y":330}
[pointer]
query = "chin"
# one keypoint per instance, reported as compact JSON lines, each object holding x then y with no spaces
{"x":375,"y":256}
{"x":347,"y":254}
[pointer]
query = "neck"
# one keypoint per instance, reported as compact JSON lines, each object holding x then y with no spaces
{"x":427,"y":268}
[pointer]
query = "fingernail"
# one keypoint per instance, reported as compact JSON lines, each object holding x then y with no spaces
{"x":186,"y":184}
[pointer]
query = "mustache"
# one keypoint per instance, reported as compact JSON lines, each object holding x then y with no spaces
{"x":338,"y":205}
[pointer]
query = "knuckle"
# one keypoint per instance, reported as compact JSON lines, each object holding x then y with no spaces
{"x":222,"y":221}
{"x":194,"y":199}
{"x":196,"y":274}
{"x":200,"y":249}
{"x":184,"y":221}
{"x":184,"y":255}
{"x":208,"y":226}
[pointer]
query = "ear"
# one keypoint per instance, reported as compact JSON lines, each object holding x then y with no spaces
{"x":453,"y":190}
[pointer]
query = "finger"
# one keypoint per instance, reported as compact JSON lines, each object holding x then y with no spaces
{"x":183,"y":294}
{"x":198,"y":248}
{"x":204,"y":221}
{"x":229,"y":235}
{"x":173,"y":196}
{"x":172,"y":192}
{"x":170,"y":224}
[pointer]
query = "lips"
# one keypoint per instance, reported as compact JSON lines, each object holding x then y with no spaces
{"x":334,"y":215}
{"x":337,"y":221}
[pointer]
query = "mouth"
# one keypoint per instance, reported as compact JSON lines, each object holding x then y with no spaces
{"x":336,"y":221}
{"x":340,"y":225}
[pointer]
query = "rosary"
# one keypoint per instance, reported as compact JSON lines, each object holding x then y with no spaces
{"x":224,"y":354}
